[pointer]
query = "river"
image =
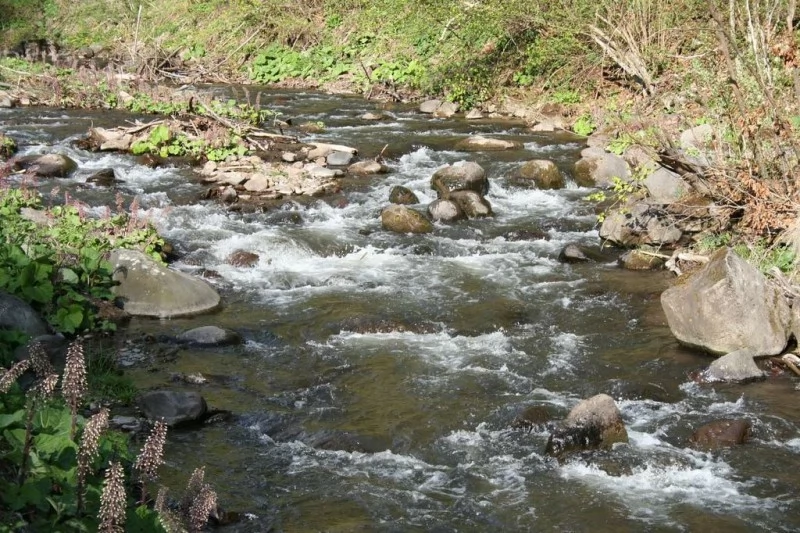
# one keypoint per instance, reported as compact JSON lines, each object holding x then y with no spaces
{"x":404,"y":425}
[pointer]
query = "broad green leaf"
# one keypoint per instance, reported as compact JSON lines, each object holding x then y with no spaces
{"x":13,"y":418}
{"x":53,"y":420}
{"x":68,"y":276}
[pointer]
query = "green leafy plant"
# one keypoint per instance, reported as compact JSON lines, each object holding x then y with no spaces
{"x":584,"y":125}
{"x":60,"y":268}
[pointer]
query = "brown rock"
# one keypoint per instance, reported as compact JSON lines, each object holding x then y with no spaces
{"x":242,"y":259}
{"x":402,"y":219}
{"x":721,"y":434}
{"x":403,"y":196}
{"x":539,"y":173}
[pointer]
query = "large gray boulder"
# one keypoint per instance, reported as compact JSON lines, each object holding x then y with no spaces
{"x":665,"y":186}
{"x":594,"y":423}
{"x":600,"y":170}
{"x":150,"y":289}
{"x":539,"y":173}
{"x":726,"y":306}
{"x":465,"y":175}
{"x":402,"y":219}
{"x":174,"y":407}
{"x":15,"y":314}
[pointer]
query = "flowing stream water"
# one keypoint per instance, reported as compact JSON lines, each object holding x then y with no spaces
{"x":408,"y":428}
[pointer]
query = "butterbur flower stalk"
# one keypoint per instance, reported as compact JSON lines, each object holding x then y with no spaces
{"x":40,"y":362}
{"x":10,"y":376}
{"x":112,"y":501}
{"x":193,"y":487}
{"x":73,"y":384}
{"x":204,"y":504}
{"x":40,"y":392}
{"x":88,"y":451}
{"x":151,"y":456}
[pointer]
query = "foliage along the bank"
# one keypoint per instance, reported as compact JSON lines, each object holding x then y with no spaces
{"x":60,"y":267}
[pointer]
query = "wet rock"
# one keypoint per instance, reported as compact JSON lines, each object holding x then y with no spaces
{"x":572,"y":253}
{"x":8,"y":146}
{"x":210,"y":336}
{"x":191,"y":379}
{"x":540,"y":173}
{"x":473,"y":114}
{"x":367,"y":168}
{"x":103,"y":178}
{"x":339,"y":159}
{"x":546,"y":126}
{"x":735,"y":367}
{"x":442,"y":210}
{"x":15,"y":314}
{"x":173,"y":407}
{"x":465,"y":175}
{"x":600,"y":171}
{"x":665,"y":186}
{"x":472,"y":204}
{"x":533,"y":417}
{"x":640,"y":260}
{"x":401,"y":219}
{"x":126,"y":423}
{"x":228,"y":195}
{"x":336,"y":440}
{"x":151,"y":160}
{"x":403,"y":196}
{"x":721,"y":434}
{"x":525,"y":235}
{"x":47,"y":166}
{"x":371,"y":116}
{"x":479,"y":143}
{"x":242,"y":259}
{"x":149,"y":289}
{"x":370,"y":324}
{"x":446,"y":110}
{"x":429,"y":106}
{"x":308,"y":127}
{"x":728,"y":305}
{"x":594,"y":423}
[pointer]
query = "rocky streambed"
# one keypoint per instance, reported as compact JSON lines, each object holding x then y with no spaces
{"x":357,"y":375}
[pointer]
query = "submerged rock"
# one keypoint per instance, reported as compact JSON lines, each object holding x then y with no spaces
{"x":149,"y":289}
{"x":210,"y":336}
{"x":174,"y":407}
{"x":104,"y":178}
{"x":242,"y":259}
{"x":726,"y":306}
{"x":478,"y":143}
{"x":721,"y":434}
